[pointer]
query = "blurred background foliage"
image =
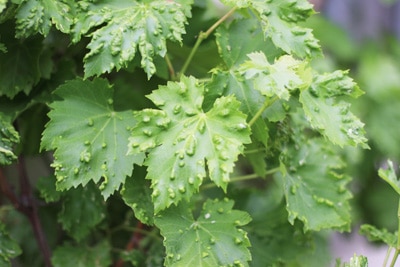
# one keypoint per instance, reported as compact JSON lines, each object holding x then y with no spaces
{"x":364,"y":37}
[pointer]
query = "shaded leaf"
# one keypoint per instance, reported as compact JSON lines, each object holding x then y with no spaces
{"x":9,"y":137}
{"x":374,"y":234}
{"x":213,"y":239}
{"x":182,"y":140}
{"x":389,"y":175}
{"x":89,"y":137}
{"x":9,"y":249}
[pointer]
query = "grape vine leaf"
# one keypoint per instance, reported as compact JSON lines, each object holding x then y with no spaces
{"x":213,"y":239}
{"x":315,"y":190}
{"x":9,"y":137}
{"x":88,"y":137}
{"x":121,"y":27}
{"x":69,"y":255}
{"x":38,"y":16}
{"x":389,"y":175}
{"x":47,"y":189}
{"x":8,"y":248}
{"x":279,"y":20}
{"x":328,"y":113}
{"x":374,"y":234}
{"x":355,"y":261}
{"x":82,"y":209}
{"x":276,"y":79}
{"x":182,"y":139}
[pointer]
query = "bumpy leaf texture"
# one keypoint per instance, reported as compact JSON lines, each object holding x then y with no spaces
{"x":279,"y":20}
{"x":38,"y":16}
{"x":325,"y":108}
{"x":124,"y":27}
{"x":88,"y":137}
{"x":70,"y":255}
{"x":213,"y":239}
{"x":183,"y":140}
{"x":9,"y":249}
{"x":8,"y":139}
{"x":315,"y":190}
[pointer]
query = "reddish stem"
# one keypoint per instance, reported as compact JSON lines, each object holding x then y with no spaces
{"x":133,"y":242}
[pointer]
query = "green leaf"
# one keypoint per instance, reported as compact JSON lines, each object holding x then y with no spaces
{"x":8,"y":139}
{"x":328,"y":113}
{"x":124,"y":27}
{"x":279,"y":20}
{"x":213,"y":239}
{"x":70,"y":255}
{"x":82,"y":209}
{"x":89,"y":137}
{"x":276,"y":79}
{"x":9,"y":249}
{"x":357,"y":261}
{"x":3,"y":4}
{"x":182,"y":139}
{"x":47,"y":189}
{"x":389,"y":175}
{"x":136,"y":193}
{"x":315,"y":190}
{"x":374,"y":234}
{"x":38,"y":16}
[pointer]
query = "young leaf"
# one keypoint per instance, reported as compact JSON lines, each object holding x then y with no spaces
{"x":374,"y":234}
{"x":315,"y":191}
{"x":330,"y":115}
{"x":124,"y":26}
{"x":273,"y":79}
{"x":357,"y":261}
{"x":8,"y":248}
{"x":389,"y":175}
{"x":213,"y":239}
{"x":8,"y":138}
{"x":279,"y":20}
{"x":82,"y":209}
{"x":88,"y":137}
{"x":37,"y":16}
{"x":183,"y":139}
{"x":82,"y":256}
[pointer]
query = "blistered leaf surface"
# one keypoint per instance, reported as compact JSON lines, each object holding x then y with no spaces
{"x":184,"y":141}
{"x":213,"y":239}
{"x":89,"y":137}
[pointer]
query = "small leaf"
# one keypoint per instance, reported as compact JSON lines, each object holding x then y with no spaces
{"x":315,"y":190}
{"x":82,"y":209}
{"x":357,"y":261}
{"x":183,"y":140}
{"x":88,"y":137}
{"x":125,"y":27}
{"x":8,"y":139}
{"x":389,"y":175}
{"x":70,"y":255}
{"x":9,"y":249}
{"x":213,"y":239}
{"x":331,"y":115}
{"x":35,"y":16}
{"x":47,"y":189}
{"x":374,"y":234}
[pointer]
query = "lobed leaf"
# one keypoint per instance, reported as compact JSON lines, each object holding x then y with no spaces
{"x":374,"y":234}
{"x":315,"y":190}
{"x":9,"y":137}
{"x":213,"y":239}
{"x":70,"y":255}
{"x":183,"y":140}
{"x":9,"y":249}
{"x":38,"y":16}
{"x":124,"y":27}
{"x":88,"y":137}
{"x":329,"y":114}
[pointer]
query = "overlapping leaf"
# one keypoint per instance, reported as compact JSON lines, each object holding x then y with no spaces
{"x":213,"y":239}
{"x":183,"y":139}
{"x":279,"y":20}
{"x":9,"y":249}
{"x":124,"y":27}
{"x":70,"y":255}
{"x":315,"y":190}
{"x":8,"y":139}
{"x":374,"y":234}
{"x":89,"y":137}
{"x":38,"y":16}
{"x":328,"y":113}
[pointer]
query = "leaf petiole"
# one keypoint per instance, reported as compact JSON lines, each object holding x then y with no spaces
{"x":202,"y":36}
{"x":397,"y":249}
{"x":268,"y":102}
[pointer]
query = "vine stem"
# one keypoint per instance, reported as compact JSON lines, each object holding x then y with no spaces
{"x":170,"y":68}
{"x":268,"y":102}
{"x":202,"y":36}
{"x":397,"y":250}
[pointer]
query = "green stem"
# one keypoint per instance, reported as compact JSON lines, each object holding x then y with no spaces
{"x":389,"y":250}
{"x":268,"y":102}
{"x":253,"y":151}
{"x":397,"y":249}
{"x":202,"y":36}
{"x":170,"y":68}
